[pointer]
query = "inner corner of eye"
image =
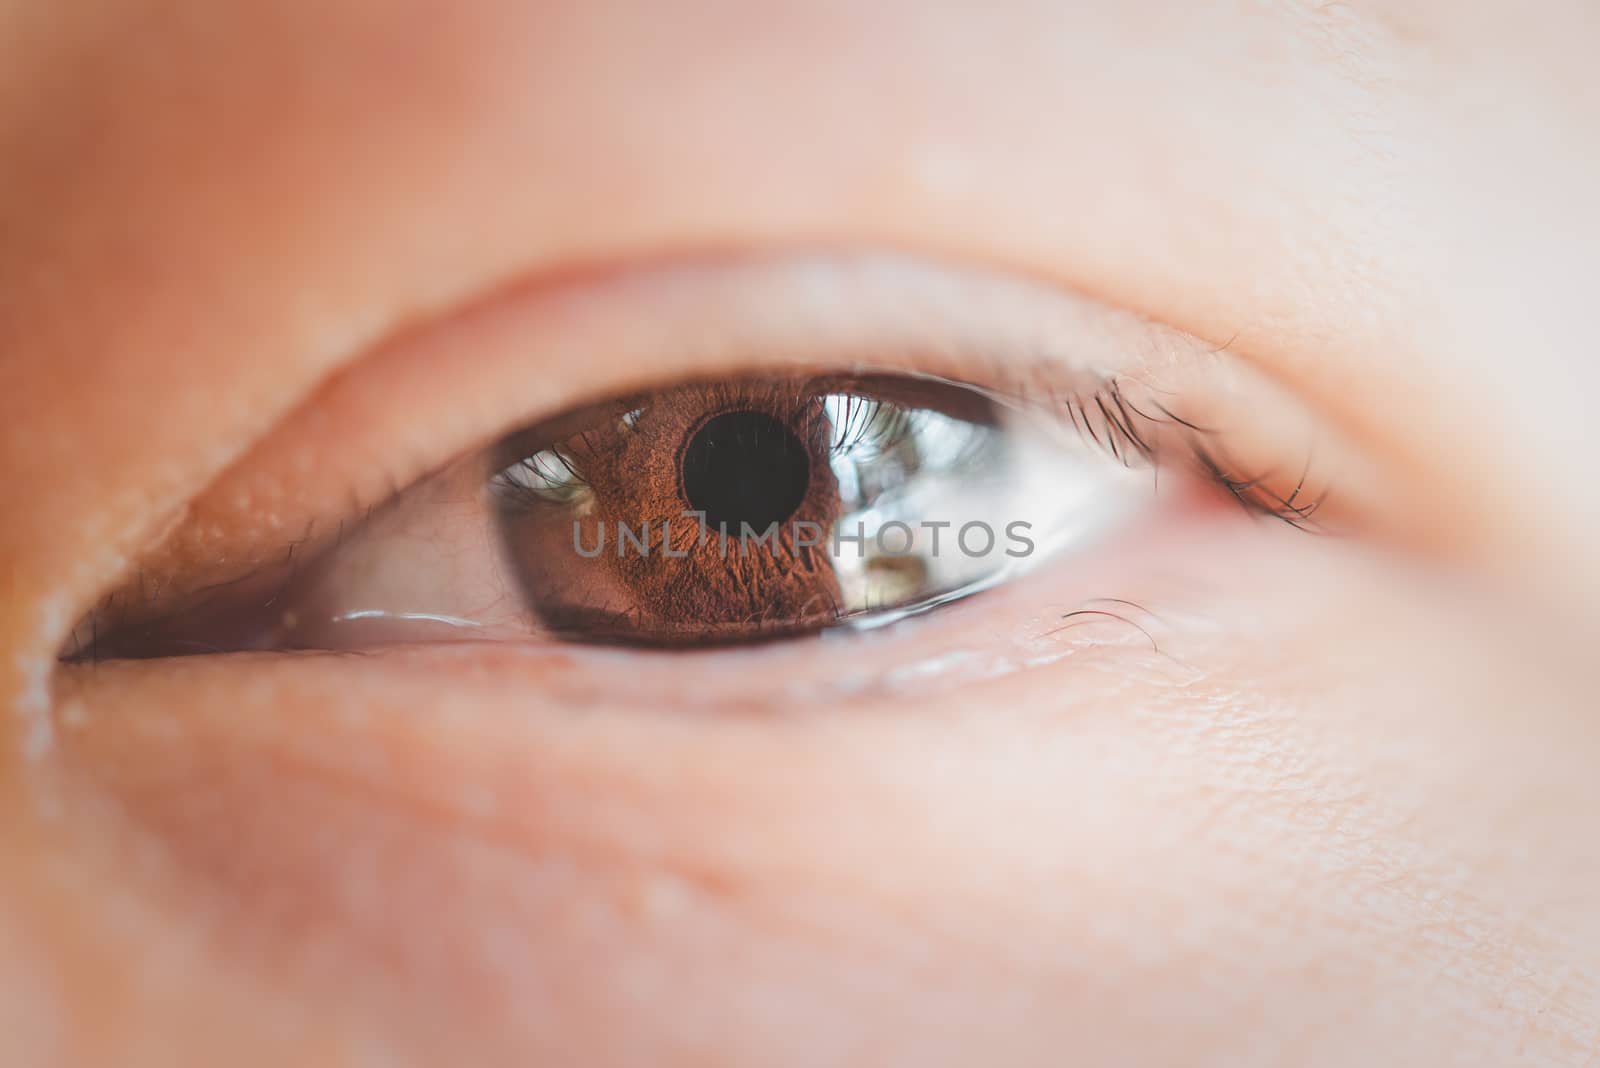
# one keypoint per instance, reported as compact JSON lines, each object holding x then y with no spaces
{"x":746,"y":510}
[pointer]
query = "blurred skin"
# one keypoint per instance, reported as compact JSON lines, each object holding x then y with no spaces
{"x":1345,"y":817}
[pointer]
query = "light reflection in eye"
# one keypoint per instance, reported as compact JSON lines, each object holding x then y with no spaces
{"x":940,"y":461}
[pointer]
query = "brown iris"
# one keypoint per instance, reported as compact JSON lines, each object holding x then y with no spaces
{"x":604,"y":542}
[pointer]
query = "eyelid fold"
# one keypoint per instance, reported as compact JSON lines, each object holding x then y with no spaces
{"x":407,"y":410}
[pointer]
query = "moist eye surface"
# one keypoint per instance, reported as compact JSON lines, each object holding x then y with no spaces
{"x":722,"y":512}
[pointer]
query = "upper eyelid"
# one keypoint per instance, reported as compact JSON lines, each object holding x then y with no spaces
{"x":404,"y":411}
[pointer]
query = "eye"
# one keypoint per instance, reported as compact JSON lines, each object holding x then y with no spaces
{"x":701,"y":514}
{"x":734,"y":506}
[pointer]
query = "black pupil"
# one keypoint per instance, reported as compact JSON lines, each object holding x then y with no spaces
{"x":745,"y":467}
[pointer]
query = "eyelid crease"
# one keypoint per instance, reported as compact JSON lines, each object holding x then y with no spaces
{"x":359,"y":442}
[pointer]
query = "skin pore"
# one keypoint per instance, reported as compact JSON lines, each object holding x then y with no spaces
{"x":1343,"y":814}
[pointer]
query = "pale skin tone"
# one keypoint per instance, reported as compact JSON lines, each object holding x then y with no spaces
{"x":1346,"y":816}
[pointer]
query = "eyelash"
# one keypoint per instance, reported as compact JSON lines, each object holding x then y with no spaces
{"x":860,"y":427}
{"x":1108,"y":419}
{"x":1105,"y":416}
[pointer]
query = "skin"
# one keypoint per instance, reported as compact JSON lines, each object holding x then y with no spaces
{"x":1344,"y":816}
